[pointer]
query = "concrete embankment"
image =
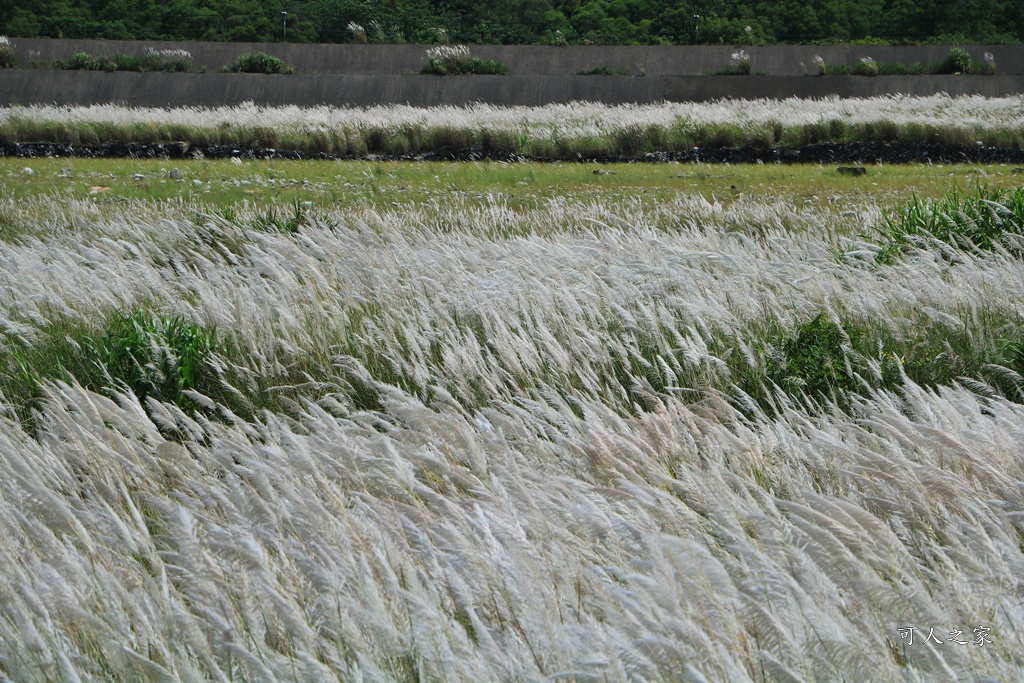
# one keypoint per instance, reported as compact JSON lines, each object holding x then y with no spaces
{"x":38,"y":86}
{"x":530,"y":60}
{"x":363,"y":75}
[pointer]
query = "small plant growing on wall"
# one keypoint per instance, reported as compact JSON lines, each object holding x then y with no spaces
{"x":739,"y":63}
{"x":6,"y":53}
{"x":167,"y":60}
{"x":258,"y":63}
{"x":358,"y":33}
{"x":819,"y":66}
{"x":451,"y":60}
{"x":989,"y":68}
{"x":866,"y":66}
{"x":151,"y":60}
{"x":958,"y":61}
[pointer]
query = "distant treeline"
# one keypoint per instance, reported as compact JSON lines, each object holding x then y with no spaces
{"x":611,"y":22}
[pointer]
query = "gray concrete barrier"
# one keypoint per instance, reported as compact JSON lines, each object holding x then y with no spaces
{"x":26,"y":86}
{"x":527,"y":60}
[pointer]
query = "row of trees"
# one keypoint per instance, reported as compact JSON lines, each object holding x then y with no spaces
{"x":520,"y":21}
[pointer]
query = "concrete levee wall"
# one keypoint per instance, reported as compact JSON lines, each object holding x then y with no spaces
{"x":27,"y":86}
{"x":532,"y":60}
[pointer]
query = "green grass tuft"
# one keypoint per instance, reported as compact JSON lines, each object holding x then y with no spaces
{"x":257,"y":63}
{"x":987,"y":220}
{"x":152,"y":355}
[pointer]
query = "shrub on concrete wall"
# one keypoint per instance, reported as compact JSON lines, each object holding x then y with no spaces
{"x":958,"y":61}
{"x":166,"y":60}
{"x":989,"y":68}
{"x":6,"y":53}
{"x":258,"y":63}
{"x":866,"y":66}
{"x":452,"y":60}
{"x":739,"y":65}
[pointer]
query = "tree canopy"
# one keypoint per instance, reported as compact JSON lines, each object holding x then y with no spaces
{"x":619,"y":22}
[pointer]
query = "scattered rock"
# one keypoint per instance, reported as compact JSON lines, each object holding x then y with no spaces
{"x":852,"y":170}
{"x":602,"y":171}
{"x":175,"y":174}
{"x":99,"y":189}
{"x":1018,"y":170}
{"x":138,"y":176}
{"x":27,"y":171}
{"x":65,"y":172}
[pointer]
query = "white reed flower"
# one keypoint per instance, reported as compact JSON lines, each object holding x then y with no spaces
{"x":168,"y":54}
{"x":555,"y":525}
{"x":448,"y":53}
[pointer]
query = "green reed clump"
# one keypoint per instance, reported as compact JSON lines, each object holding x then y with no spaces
{"x":815,"y":359}
{"x":153,"y":355}
{"x":831,"y":360}
{"x":6,"y":53}
{"x":258,"y":63}
{"x":603,"y":70}
{"x":455,"y":60}
{"x":987,"y":220}
{"x":958,"y":61}
{"x":156,"y":355}
{"x":472,"y":66}
{"x":274,"y":220}
{"x":152,"y":61}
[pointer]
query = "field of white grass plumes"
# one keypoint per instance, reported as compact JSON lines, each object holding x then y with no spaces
{"x":578,"y":119}
{"x":535,"y":130}
{"x":509,"y":445}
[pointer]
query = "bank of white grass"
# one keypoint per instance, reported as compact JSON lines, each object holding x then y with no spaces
{"x":577,"y":119}
{"x":561,"y":131}
{"x":532,"y":522}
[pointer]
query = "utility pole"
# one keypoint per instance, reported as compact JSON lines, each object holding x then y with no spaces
{"x":696,"y":28}
{"x":284,"y":23}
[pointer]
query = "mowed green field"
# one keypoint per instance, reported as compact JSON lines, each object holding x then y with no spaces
{"x":336,"y":184}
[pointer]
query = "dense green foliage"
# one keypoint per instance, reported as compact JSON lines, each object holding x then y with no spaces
{"x":6,"y":53}
{"x":119,"y":62}
{"x":152,"y":355}
{"x":986,"y":220}
{"x":452,"y":60}
{"x":521,"y":21}
{"x":257,"y":63}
